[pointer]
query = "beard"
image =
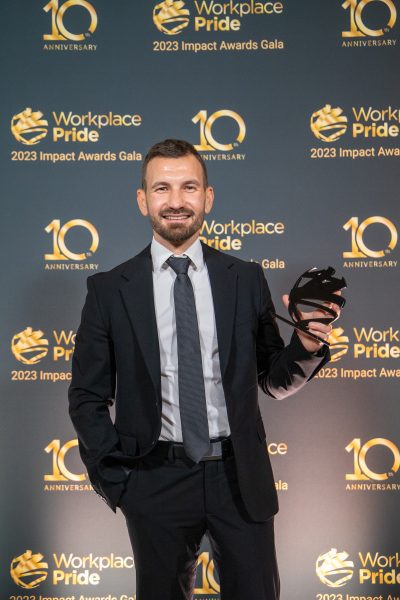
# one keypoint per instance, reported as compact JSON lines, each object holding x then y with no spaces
{"x":176,"y":232}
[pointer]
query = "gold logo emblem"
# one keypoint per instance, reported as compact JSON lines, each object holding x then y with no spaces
{"x":29,"y":347}
{"x":60,"y":250}
{"x":207,"y":140}
{"x":58,"y":29}
{"x":209,"y":585}
{"x":358,"y":247}
{"x":170,"y":16}
{"x":339,"y":344}
{"x":361,"y":470}
{"x":28,"y":570}
{"x":328,"y":124}
{"x":333,"y":568}
{"x":60,"y":471}
{"x":28,"y":127}
{"x":358,"y":26}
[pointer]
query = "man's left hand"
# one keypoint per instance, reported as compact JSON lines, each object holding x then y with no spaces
{"x":320,"y":329}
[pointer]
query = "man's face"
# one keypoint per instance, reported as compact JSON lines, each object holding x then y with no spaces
{"x":175,"y":199}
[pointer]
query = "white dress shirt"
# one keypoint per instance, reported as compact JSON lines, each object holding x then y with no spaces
{"x":163,"y":281}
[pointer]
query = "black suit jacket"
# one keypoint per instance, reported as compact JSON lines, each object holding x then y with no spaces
{"x":117,"y":357}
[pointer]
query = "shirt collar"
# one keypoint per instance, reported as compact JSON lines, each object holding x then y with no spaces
{"x":160,"y":254}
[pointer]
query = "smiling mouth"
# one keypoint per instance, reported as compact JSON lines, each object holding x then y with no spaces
{"x":176,"y":217}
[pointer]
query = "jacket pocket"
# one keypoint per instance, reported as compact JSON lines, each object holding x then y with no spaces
{"x":129,"y":487}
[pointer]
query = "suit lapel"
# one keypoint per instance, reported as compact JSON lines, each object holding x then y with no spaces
{"x":138,"y":298}
{"x":223,"y":279}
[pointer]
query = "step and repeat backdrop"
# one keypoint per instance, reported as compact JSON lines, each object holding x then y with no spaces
{"x":295,"y":106}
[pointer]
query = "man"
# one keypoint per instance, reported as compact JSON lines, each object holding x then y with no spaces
{"x":180,"y":335}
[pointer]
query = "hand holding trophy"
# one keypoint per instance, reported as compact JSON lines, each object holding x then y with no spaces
{"x":319,"y":289}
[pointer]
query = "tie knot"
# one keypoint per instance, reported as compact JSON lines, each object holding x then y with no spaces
{"x":179,"y":265}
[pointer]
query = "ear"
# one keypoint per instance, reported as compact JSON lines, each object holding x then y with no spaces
{"x":142,"y":203}
{"x":209,"y":199}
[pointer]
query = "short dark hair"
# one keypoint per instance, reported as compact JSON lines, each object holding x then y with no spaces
{"x":172,"y":149}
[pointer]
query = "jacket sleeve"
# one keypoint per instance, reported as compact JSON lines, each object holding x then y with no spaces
{"x":282,"y":370}
{"x":91,"y":392}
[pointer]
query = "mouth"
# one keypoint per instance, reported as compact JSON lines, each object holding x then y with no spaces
{"x":176,"y":218}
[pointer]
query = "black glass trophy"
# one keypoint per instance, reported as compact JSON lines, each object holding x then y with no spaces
{"x":315,"y":288}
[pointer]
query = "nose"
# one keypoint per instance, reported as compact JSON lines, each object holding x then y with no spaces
{"x":175,"y":199}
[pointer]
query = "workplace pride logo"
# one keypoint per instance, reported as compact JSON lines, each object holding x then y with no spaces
{"x":362,"y":123}
{"x":28,"y":570}
{"x":333,"y":568}
{"x":171,"y":16}
{"x":339,"y":344}
{"x":28,"y":127}
{"x":29,"y":346}
{"x":365,"y":343}
{"x":328,"y":124}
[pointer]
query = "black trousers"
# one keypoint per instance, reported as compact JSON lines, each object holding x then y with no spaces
{"x":169,"y":504}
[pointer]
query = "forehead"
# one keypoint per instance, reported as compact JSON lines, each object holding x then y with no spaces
{"x":173,"y":169}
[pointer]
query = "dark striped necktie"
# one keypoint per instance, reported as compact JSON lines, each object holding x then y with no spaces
{"x":192,"y":397}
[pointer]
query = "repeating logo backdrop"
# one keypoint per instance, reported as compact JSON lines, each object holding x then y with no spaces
{"x":296,"y":109}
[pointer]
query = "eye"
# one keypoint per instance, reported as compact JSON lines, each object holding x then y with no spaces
{"x":160,"y":188}
{"x":190,"y":187}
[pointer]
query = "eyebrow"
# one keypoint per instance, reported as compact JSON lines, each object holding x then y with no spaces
{"x":168,"y":184}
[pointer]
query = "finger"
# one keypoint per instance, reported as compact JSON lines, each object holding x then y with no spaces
{"x":320,"y":331}
{"x":285,"y":300}
{"x":317,"y":337}
{"x":337,"y":293}
{"x":322,"y":327}
{"x":332,"y":306}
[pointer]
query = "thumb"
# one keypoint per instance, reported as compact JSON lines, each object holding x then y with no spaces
{"x":285,"y":300}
